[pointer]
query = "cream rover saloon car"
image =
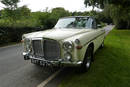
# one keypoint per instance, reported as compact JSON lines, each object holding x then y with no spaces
{"x":72,"y":41}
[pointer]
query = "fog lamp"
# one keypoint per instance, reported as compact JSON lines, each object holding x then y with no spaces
{"x":68,"y":56}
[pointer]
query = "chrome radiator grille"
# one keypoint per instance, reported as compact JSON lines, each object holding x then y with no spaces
{"x":51,"y":49}
{"x":37,"y":48}
{"x":47,"y":49}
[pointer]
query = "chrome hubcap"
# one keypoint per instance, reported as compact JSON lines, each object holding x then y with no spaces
{"x":88,"y":62}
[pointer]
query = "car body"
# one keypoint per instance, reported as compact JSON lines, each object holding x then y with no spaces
{"x":66,"y":43}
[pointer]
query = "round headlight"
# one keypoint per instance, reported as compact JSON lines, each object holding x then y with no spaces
{"x":68,"y":46}
{"x":67,"y":56}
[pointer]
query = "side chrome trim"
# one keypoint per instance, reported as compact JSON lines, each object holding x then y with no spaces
{"x":94,"y":38}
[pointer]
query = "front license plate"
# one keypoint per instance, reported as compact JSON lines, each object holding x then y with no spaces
{"x":39,"y":62}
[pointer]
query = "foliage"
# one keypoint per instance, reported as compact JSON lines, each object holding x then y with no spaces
{"x":102,"y":3}
{"x":59,"y":12}
{"x":12,"y":12}
{"x":23,"y":12}
{"x":118,"y":10}
{"x":11,"y":34}
{"x":49,"y":19}
{"x":91,"y":3}
{"x":80,"y":13}
{"x":10,"y":4}
{"x":13,"y":15}
{"x":119,"y":14}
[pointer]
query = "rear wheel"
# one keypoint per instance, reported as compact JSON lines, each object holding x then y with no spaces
{"x":85,"y":66}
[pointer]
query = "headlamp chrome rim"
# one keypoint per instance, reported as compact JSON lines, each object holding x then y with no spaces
{"x":68,"y":46}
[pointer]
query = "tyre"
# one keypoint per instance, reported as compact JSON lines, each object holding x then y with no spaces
{"x":85,"y":66}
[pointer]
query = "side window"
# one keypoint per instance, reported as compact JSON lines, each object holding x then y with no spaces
{"x":89,"y":23}
{"x":94,"y":25}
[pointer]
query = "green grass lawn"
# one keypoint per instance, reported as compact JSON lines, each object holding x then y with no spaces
{"x":111,"y":67}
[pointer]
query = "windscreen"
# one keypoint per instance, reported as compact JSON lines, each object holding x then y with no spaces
{"x":75,"y":22}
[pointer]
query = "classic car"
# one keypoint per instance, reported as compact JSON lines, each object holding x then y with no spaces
{"x":72,"y":42}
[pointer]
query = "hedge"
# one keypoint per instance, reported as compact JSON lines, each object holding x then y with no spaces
{"x":10,"y":34}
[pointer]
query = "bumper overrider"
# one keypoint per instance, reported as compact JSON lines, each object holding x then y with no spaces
{"x":42,"y":61}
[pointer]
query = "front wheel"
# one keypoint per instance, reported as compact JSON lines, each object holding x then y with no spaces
{"x":85,"y":66}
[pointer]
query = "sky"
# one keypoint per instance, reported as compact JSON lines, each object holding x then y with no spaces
{"x":40,"y":5}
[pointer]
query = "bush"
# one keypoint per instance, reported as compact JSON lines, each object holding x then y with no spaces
{"x":14,"y":34}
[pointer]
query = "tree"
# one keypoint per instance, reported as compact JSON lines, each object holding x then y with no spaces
{"x":23,"y":12}
{"x":49,"y":19}
{"x":91,"y":3}
{"x":59,"y":12}
{"x":10,"y":10}
{"x":118,"y":10}
{"x":14,"y":14}
{"x":10,"y":4}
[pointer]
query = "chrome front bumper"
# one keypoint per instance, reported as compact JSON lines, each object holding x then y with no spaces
{"x":43,"y":62}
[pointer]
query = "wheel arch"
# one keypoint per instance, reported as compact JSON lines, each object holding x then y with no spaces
{"x":91,"y":44}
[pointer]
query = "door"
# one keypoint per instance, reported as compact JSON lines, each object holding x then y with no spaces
{"x":99,"y":34}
